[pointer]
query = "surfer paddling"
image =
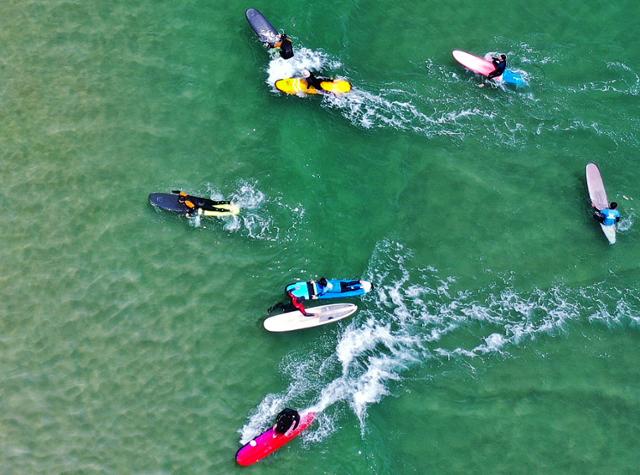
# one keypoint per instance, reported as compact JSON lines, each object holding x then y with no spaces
{"x":500,"y":64}
{"x":284,"y":44}
{"x":607,"y":216}
{"x":286,"y":422}
{"x":313,"y":80}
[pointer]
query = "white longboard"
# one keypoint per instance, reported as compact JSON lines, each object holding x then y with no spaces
{"x":599,"y":199}
{"x":290,"y":321}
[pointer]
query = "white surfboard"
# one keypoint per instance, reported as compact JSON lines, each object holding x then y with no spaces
{"x":290,"y":321}
{"x":599,"y":199}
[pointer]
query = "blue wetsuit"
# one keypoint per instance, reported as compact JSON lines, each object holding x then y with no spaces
{"x":609,"y":216}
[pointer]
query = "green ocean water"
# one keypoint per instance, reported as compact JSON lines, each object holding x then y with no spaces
{"x":502,"y":335}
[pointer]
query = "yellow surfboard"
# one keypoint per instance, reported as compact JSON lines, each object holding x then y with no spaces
{"x":299,"y":85}
{"x":337,"y":86}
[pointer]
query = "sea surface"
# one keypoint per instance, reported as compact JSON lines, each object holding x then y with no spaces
{"x":503,"y":333}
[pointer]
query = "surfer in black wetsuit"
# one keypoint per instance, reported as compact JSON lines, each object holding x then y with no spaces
{"x":500,"y":64}
{"x":187,"y":200}
{"x":285,"y":45}
{"x":313,"y":80}
{"x":197,"y":205}
{"x":286,"y":421}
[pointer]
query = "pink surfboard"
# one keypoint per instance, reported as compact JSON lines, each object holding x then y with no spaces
{"x":599,"y":199}
{"x":473,"y":63}
{"x":269,"y":442}
{"x":597,"y":193}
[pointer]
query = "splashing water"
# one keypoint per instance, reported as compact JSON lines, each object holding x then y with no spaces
{"x":436,"y":107}
{"x":370,"y":110}
{"x":408,"y":320}
{"x":627,"y":82}
{"x":390,"y":108}
{"x":260,"y":215}
{"x":304,"y":58}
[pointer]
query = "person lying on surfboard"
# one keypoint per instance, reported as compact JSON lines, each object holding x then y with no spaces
{"x":198,"y":205}
{"x":500,"y":63}
{"x":185,"y":199}
{"x":285,"y":45}
{"x":607,"y":216}
{"x":297,"y":303}
{"x":312,"y":79}
{"x":286,"y":421}
{"x":323,"y":286}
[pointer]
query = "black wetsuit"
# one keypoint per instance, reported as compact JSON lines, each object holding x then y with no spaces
{"x":313,"y":81}
{"x":209,"y":205}
{"x":202,"y":203}
{"x":286,"y":420}
{"x":286,"y":47}
{"x":500,"y":66}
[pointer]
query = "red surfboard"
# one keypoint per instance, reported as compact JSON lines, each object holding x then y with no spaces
{"x":269,"y":442}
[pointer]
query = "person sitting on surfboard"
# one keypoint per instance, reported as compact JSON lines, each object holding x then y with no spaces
{"x":312,"y":79}
{"x":500,"y":64}
{"x":285,"y":45}
{"x":286,"y":421}
{"x":297,"y":303}
{"x":607,"y":216}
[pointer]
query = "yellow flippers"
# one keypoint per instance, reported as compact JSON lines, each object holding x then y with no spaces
{"x":225,"y":210}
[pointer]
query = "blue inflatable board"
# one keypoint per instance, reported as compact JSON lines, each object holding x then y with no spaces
{"x":514,"y":78}
{"x":336,"y":288}
{"x":265,"y":30}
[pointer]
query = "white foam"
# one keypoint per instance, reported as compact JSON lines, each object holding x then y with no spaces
{"x":381,"y":110}
{"x":526,"y":54}
{"x":261,"y":217}
{"x":303,"y":58}
{"x":262,"y":417}
{"x":626,"y":81}
{"x":403,"y":321}
{"x":626,"y":223}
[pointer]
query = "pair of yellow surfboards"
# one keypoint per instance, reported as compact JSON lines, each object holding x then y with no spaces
{"x":299,"y":85}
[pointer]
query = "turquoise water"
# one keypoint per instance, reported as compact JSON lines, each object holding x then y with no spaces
{"x":502,"y":335}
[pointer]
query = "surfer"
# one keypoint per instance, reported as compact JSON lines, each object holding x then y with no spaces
{"x":285,"y":46}
{"x":312,"y":79}
{"x":185,"y":199}
{"x":200,"y":205}
{"x":607,"y":216}
{"x":297,"y":303}
{"x":286,"y":421}
{"x":500,"y":64}
{"x":323,"y":286}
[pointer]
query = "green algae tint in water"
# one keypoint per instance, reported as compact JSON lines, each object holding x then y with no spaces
{"x":502,"y":335}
